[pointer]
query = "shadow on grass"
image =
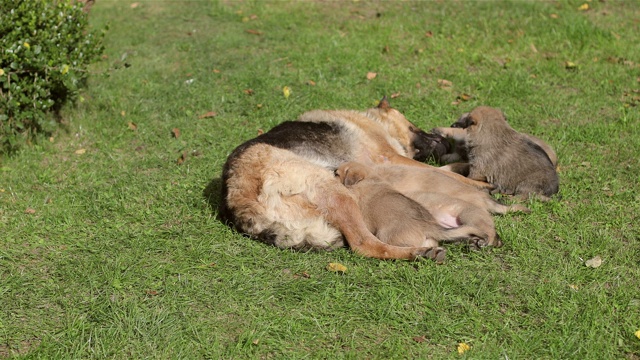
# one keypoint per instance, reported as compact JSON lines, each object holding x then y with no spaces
{"x":212,"y":193}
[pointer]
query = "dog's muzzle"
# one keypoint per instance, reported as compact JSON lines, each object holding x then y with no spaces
{"x":430,"y":146}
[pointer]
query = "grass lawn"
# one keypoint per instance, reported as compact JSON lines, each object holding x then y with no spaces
{"x":109,"y":248}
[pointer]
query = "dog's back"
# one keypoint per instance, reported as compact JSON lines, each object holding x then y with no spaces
{"x":511,"y":161}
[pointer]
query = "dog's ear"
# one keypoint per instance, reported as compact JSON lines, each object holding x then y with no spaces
{"x":463,"y":122}
{"x":352,"y":176}
{"x":384,"y":104}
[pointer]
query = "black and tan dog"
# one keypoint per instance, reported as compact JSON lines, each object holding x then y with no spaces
{"x":514,"y":163}
{"x":280,"y":187}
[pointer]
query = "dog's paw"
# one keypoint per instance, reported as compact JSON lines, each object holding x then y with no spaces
{"x":436,"y":254}
{"x":477,"y":243}
{"x":519,"y":208}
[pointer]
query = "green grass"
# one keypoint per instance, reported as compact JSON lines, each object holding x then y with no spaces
{"x":124,"y":257}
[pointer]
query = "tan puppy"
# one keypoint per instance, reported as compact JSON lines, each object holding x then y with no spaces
{"x":419,"y":218}
{"x":408,"y":180}
{"x":514,"y":163}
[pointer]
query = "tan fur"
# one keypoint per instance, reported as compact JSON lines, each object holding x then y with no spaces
{"x":443,"y":217}
{"x":514,"y":163}
{"x":295,"y":201}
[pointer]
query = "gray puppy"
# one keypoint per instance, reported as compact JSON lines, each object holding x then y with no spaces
{"x":514,"y":163}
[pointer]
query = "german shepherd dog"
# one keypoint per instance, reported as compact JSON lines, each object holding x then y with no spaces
{"x":515,"y":163}
{"x":280,"y":187}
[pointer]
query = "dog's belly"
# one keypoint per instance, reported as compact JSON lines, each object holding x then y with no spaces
{"x":273,"y":195}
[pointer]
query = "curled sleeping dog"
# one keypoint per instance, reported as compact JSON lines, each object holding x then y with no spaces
{"x":515,"y":163}
{"x":280,"y":187}
{"x":415,"y":218}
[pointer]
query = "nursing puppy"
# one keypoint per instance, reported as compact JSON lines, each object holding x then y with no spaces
{"x":515,"y":164}
{"x":409,"y":180}
{"x":419,"y":218}
{"x":459,"y":152}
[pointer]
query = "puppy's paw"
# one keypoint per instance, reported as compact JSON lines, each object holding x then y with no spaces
{"x":477,"y":242}
{"x":436,"y":254}
{"x":519,"y":208}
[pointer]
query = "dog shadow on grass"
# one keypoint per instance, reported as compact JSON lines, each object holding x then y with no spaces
{"x":212,"y":193}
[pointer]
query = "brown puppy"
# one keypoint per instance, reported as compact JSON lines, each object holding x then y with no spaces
{"x":419,"y":218}
{"x":514,"y":163}
{"x":409,"y":180}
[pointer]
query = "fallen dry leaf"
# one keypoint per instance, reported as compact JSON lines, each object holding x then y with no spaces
{"x":248,"y":91}
{"x":553,"y":16}
{"x":80,"y":151}
{"x":30,"y":211}
{"x":208,"y":115}
{"x":175,"y":132}
{"x":286,"y":92}
{"x":337,"y":267}
{"x":260,"y":131}
{"x":132,"y":125}
{"x":181,"y":159}
{"x":304,"y":274}
{"x":123,"y":113}
{"x":216,"y":71}
{"x":151,"y":292}
{"x":637,"y":334}
{"x":371,"y":75}
{"x":134,"y":5}
{"x":253,"y":17}
{"x":464,"y":97}
{"x":256,"y":342}
{"x":573,"y":287}
{"x":429,"y":33}
{"x":584,"y":7}
{"x":570,"y":65}
{"x":311,"y":82}
{"x":395,"y":95}
{"x":445,"y":84}
{"x":533,"y":48}
{"x":51,"y":139}
{"x":420,"y":339}
{"x":253,"y":32}
{"x":594,"y":263}
{"x":463,"y":347}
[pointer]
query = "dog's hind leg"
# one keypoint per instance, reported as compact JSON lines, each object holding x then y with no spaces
{"x":495,"y":207}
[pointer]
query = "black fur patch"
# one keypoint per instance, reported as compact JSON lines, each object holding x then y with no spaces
{"x":430,"y":146}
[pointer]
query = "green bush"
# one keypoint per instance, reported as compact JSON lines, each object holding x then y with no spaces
{"x":45,"y":49}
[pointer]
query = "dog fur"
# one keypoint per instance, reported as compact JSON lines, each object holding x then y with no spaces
{"x":459,"y":152}
{"x":419,"y":218}
{"x":280,"y":187}
{"x":516,"y":164}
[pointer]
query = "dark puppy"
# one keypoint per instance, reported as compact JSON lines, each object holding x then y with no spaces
{"x":514,"y":163}
{"x":457,"y":150}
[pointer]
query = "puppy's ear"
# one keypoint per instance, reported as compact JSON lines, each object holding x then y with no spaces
{"x":384,"y":104}
{"x":463,"y":122}
{"x":352,"y":176}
